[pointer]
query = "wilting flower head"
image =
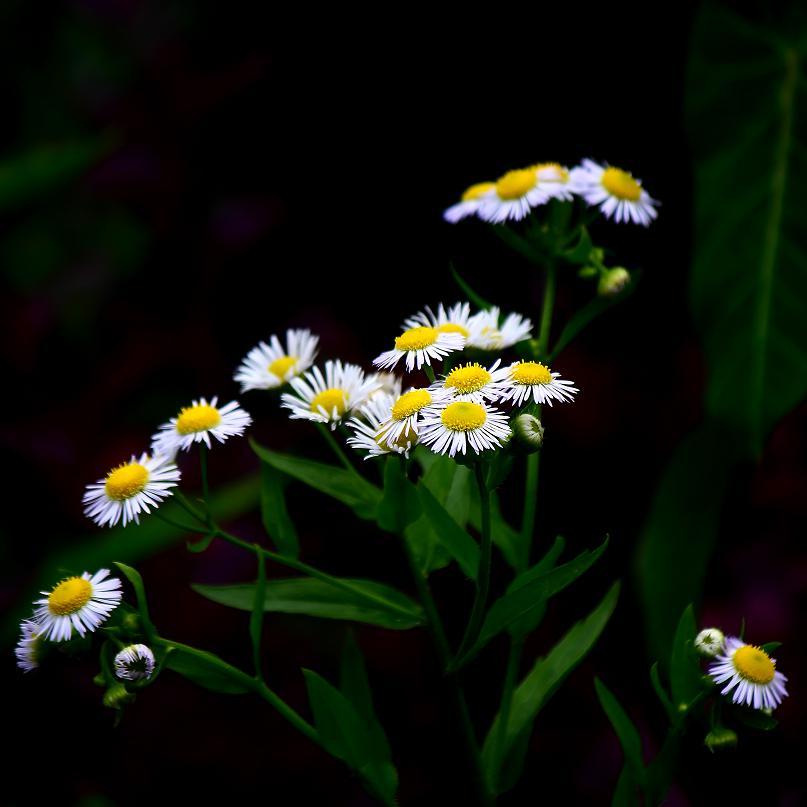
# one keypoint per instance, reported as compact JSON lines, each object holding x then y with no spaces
{"x":134,"y":663}
{"x":272,"y":365}
{"x":29,"y":646}
{"x":82,"y":603}
{"x":130,"y":489}
{"x":751,"y":673}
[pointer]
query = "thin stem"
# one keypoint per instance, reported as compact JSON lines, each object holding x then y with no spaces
{"x":530,"y":504}
{"x":483,"y":574}
{"x":311,"y":571}
{"x":189,"y":508}
{"x":547,"y":309}
{"x":177,"y":524}
{"x":248,"y":682}
{"x":336,"y":448}
{"x":513,"y":663}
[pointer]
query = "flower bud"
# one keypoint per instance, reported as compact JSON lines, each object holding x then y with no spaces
{"x":613,"y":281}
{"x":720,"y":738}
{"x":709,"y":642}
{"x":528,"y":432}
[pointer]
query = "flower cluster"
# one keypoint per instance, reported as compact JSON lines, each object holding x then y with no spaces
{"x":616,"y":193}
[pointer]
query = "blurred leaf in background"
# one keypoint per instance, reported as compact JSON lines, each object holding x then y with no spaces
{"x":746,"y":115}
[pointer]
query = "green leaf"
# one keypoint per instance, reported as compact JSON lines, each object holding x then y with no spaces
{"x":204,"y":669}
{"x":527,"y":624}
{"x":626,"y":793}
{"x":579,"y":253}
{"x":276,"y":520}
{"x":770,"y":647}
{"x":588,"y":313}
{"x":746,"y":104}
{"x":355,"y":687}
{"x":360,"y":600}
{"x":540,"y":685}
{"x":509,"y":541}
{"x":516,"y":604}
{"x":345,"y":735}
{"x":133,"y":576}
{"x":476,"y":299}
{"x":669,"y":708}
{"x":680,"y":531}
{"x":400,"y":505}
{"x":200,"y":545}
{"x":40,"y":170}
{"x":345,"y":486}
{"x":449,"y":534}
{"x":756,"y":719}
{"x":625,"y":730}
{"x":685,"y":672}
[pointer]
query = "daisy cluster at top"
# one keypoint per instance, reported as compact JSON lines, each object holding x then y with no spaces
{"x":616,"y":193}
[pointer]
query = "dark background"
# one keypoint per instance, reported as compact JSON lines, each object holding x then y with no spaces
{"x":257,"y":173}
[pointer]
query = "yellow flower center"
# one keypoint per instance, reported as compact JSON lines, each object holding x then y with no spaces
{"x":69,"y":596}
{"x":475,"y":191}
{"x":453,"y":327}
{"x":125,"y":481}
{"x":416,"y":338}
{"x":330,"y":399}
{"x":470,"y":378}
{"x":410,"y":403}
{"x":621,"y":184}
{"x":514,"y":184}
{"x":406,"y":436}
{"x":198,"y":418}
{"x":281,"y":366}
{"x":463,"y":416}
{"x":754,"y":664}
{"x":530,"y":372}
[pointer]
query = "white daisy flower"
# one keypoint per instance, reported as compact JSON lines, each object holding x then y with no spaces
{"x":473,"y":382}
{"x":615,"y":192}
{"x":555,"y":179}
{"x":709,"y":642}
{"x":513,"y":196}
{"x":751,"y":673}
{"x":456,"y":319}
{"x":130,"y":489}
{"x":328,"y":398}
{"x":470,"y":201}
{"x":82,"y":603}
{"x":402,"y":423}
{"x":134,"y":663}
{"x":451,"y":428}
{"x":29,"y":646}
{"x":420,"y":345}
{"x":531,"y":379}
{"x":367,"y":429}
{"x":272,"y":365}
{"x":487,"y":334}
{"x":195,"y":424}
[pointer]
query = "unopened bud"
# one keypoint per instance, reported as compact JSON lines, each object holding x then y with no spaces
{"x":528,"y":432}
{"x":720,"y":738}
{"x":116,"y":696}
{"x":709,"y":642}
{"x":613,"y":281}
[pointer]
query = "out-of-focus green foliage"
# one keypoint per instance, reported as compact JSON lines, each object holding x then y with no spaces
{"x":747,"y":121}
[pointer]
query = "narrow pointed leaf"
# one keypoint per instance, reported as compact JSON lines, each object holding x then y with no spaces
{"x":450,"y":535}
{"x":626,"y":731}
{"x":274,"y":513}
{"x":134,"y":577}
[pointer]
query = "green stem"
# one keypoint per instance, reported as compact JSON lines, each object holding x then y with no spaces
{"x":547,"y":308}
{"x":177,"y":524}
{"x":189,"y":508}
{"x":336,"y":448}
{"x":248,"y":682}
{"x":530,"y":505}
{"x":513,"y":664}
{"x":483,"y":574}
{"x":311,"y":571}
{"x":205,"y":486}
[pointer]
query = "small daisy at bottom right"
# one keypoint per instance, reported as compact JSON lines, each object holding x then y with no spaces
{"x":751,"y":673}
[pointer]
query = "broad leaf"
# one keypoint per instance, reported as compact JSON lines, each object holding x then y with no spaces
{"x":345,"y":598}
{"x":347,"y":487}
{"x":203,"y":669}
{"x":345,"y":735}
{"x":540,"y":685}
{"x":133,"y":576}
{"x":276,"y":520}
{"x":400,"y":505}
{"x":449,"y":534}
{"x":747,"y":106}
{"x":529,"y":622}
{"x":626,"y":731}
{"x":518,"y":603}
{"x":685,"y":673}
